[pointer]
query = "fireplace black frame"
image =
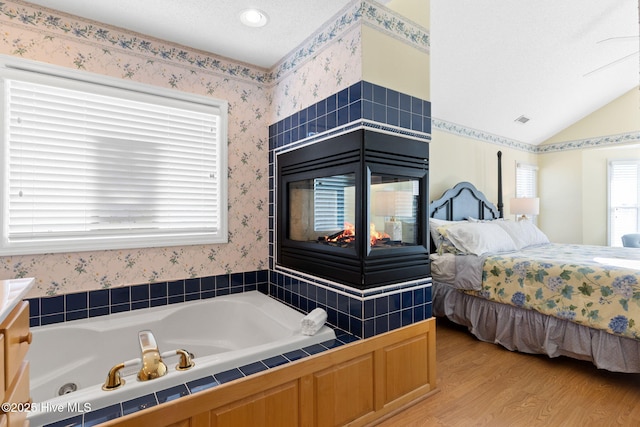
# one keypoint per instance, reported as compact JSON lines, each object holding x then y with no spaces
{"x":362,"y":152}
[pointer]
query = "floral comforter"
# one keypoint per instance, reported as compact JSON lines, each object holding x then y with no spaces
{"x":596,"y":286}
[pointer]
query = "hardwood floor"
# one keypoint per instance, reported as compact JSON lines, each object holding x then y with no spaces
{"x":483,"y":384}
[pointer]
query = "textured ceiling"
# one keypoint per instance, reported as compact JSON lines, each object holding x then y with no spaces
{"x":552,"y":61}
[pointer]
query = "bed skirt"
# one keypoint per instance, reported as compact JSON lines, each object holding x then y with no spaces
{"x":528,"y":331}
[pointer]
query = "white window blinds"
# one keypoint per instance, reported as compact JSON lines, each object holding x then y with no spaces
{"x":526,"y":178}
{"x":624,"y":197}
{"x":333,"y":202}
{"x":98,"y":167}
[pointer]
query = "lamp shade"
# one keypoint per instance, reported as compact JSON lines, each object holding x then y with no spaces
{"x":525,"y":206}
{"x":393,"y":203}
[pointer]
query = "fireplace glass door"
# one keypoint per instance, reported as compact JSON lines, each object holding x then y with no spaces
{"x":393,"y":212}
{"x":322,"y":210}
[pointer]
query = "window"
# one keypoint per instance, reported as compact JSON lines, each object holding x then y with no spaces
{"x":624,"y":196}
{"x":526,"y":178}
{"x":96,"y":163}
{"x":334,"y":202}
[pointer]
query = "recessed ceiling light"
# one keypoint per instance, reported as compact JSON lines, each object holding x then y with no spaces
{"x":254,"y":18}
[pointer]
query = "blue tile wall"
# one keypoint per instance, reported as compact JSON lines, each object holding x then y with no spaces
{"x":101,"y":302}
{"x":361,"y":101}
{"x":361,"y":314}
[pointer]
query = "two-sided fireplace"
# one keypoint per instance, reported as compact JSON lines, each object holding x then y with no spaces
{"x":352,"y":209}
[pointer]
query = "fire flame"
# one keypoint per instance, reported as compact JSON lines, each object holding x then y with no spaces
{"x":348,"y":234}
{"x":376,"y":235}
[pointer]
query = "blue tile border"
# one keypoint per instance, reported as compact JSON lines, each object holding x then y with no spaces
{"x":208,"y":381}
{"x":102,"y":302}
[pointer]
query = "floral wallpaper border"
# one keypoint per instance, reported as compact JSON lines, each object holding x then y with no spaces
{"x":579,"y":144}
{"x":59,"y":24}
{"x":373,"y":15}
{"x":599,"y":141}
{"x":63,"y":25}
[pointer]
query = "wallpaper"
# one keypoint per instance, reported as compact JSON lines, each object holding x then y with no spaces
{"x":255,"y":99}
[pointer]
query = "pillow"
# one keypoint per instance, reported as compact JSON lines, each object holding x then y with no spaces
{"x":524,"y":233}
{"x":443,"y":245}
{"x":478,"y":238}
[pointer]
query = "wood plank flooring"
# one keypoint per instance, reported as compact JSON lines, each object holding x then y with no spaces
{"x":483,"y":384}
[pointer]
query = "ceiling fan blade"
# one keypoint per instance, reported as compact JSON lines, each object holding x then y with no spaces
{"x":612,"y":63}
{"x":618,"y":39}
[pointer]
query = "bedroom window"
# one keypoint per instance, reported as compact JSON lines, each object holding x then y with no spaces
{"x":526,"y":182}
{"x":624,"y":197}
{"x":96,"y":163}
{"x":526,"y":179}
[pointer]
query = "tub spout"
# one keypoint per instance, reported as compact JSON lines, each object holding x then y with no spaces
{"x":152,"y":364}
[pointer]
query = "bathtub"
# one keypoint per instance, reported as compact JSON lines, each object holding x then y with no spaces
{"x":222,"y":333}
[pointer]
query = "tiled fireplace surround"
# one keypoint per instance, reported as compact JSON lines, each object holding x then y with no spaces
{"x":361,"y":313}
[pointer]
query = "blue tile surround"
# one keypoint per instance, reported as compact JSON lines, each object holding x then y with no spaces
{"x":101,"y":302}
{"x":361,"y":313}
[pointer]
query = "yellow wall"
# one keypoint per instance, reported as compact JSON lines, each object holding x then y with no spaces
{"x":388,"y":62}
{"x":560,"y":191}
{"x":454,"y":158}
{"x":416,"y":10}
{"x":620,"y":116}
{"x":395,"y":65}
{"x":573,"y":183}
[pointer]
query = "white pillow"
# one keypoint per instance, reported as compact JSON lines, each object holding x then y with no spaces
{"x":524,"y":233}
{"x":478,"y":238}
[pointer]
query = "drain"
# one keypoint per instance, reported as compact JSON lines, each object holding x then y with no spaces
{"x":67,"y":388}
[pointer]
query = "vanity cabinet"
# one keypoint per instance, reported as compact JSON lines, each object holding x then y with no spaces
{"x":15,"y":338}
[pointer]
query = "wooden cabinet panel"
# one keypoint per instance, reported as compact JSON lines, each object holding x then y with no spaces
{"x":344,"y":392}
{"x":16,"y":340}
{"x":3,"y":383}
{"x":406,"y":367}
{"x":19,"y":394}
{"x":277,"y":407}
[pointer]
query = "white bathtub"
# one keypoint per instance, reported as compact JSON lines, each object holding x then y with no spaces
{"x":222,"y":333}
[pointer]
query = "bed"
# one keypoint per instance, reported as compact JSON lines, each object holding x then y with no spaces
{"x":528,"y":294}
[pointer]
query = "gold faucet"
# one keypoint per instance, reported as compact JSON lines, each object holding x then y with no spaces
{"x":152,"y":364}
{"x":114,"y":380}
{"x":186,"y":362}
